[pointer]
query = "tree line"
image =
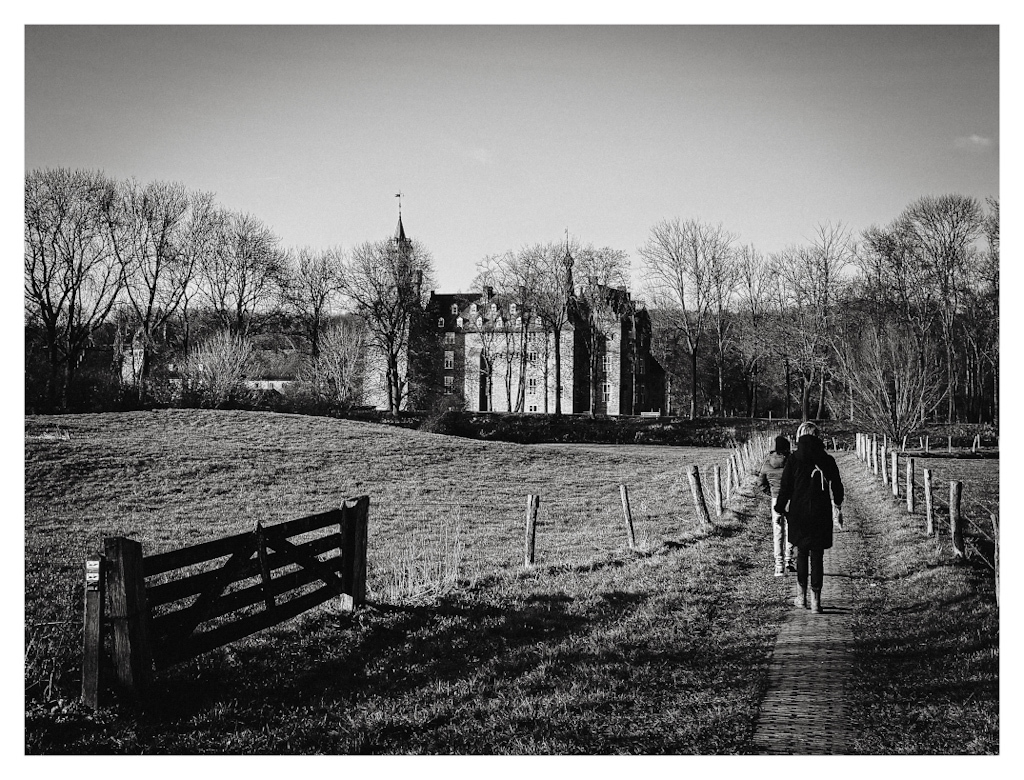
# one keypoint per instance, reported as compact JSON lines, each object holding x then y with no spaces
{"x":892,"y":327}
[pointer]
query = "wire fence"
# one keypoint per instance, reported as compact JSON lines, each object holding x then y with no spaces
{"x":969,"y":508}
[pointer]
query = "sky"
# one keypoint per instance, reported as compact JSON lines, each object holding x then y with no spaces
{"x":505,"y":136}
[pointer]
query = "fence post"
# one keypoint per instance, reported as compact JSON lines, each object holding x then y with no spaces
{"x":92,"y":645}
{"x":718,"y":489}
{"x":895,"y":474}
{"x":129,"y":615}
{"x":630,"y":538}
{"x":884,"y":467}
{"x":926,"y":449}
{"x":929,"y":518}
{"x":532,"y":506}
{"x":956,"y":525}
{"x":904,"y":447}
{"x":995,"y":553}
{"x":698,"y":496}
{"x":874,"y":454}
{"x":910,"y":485}
{"x":949,"y":443}
{"x":354,"y":521}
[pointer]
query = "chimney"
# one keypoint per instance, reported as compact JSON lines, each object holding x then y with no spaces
{"x":490,"y":292}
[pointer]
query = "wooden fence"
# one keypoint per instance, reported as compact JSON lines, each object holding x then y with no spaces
{"x":175,"y":605}
{"x":743,"y":459}
{"x":881,"y":457}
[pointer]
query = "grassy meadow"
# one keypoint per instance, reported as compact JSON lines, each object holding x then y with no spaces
{"x":595,"y":649}
{"x":927,"y":629}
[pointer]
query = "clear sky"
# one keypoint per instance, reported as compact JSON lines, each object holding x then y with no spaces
{"x":501,"y":136}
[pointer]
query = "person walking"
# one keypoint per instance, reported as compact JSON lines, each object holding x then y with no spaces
{"x":810,"y":497}
{"x":769,"y":480}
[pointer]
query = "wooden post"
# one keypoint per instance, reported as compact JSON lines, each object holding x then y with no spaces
{"x":926,"y":444}
{"x":874,"y":454}
{"x":904,"y":447}
{"x":956,"y":525}
{"x":884,"y":467}
{"x":92,"y":645}
{"x":728,"y":479}
{"x":976,"y":443}
{"x":833,"y":444}
{"x":718,"y":489}
{"x":354,"y":521}
{"x":698,"y":496}
{"x":949,"y":443}
{"x":129,"y":615}
{"x":929,"y":518}
{"x":920,"y":443}
{"x":995,"y":553}
{"x":910,"y":485}
{"x":532,"y":506}
{"x":624,"y":494}
{"x":895,"y":474}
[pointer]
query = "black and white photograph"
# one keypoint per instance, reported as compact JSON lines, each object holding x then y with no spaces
{"x":428,"y":384}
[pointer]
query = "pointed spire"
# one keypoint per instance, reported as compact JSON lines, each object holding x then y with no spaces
{"x":400,"y":232}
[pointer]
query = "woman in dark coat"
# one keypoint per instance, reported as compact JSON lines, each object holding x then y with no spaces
{"x":810,"y":486}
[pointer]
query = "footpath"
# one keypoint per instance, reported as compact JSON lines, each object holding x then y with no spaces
{"x":804,"y":711}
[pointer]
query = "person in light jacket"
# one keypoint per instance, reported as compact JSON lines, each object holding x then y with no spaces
{"x":809,"y":488}
{"x":769,"y":480}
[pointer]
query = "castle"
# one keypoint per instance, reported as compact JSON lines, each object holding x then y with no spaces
{"x":489,"y":351}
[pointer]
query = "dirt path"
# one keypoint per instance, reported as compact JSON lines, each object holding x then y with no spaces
{"x":804,"y":711}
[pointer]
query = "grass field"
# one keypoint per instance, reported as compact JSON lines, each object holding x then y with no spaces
{"x":596,"y":649}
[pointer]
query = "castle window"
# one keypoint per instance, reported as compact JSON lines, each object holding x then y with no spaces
{"x":607,"y":363}
{"x":533,"y":407}
{"x":449,"y":337}
{"x":641,"y":366}
{"x":455,"y":308}
{"x":449,"y":385}
{"x":606,"y":391}
{"x":531,"y":356}
{"x":440,"y":322}
{"x":531,"y":386}
{"x":449,"y":360}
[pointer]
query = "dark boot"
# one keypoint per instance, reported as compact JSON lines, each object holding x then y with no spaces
{"x":816,"y":600}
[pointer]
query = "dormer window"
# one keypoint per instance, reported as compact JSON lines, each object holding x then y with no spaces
{"x":519,"y":321}
{"x":500,"y":323}
{"x":494,"y":309}
{"x":479,"y":322}
{"x":458,"y":322}
{"x":472,"y":308}
{"x":440,"y":322}
{"x":455,"y":308}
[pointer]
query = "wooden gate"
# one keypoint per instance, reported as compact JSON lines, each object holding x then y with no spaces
{"x":175,"y":605}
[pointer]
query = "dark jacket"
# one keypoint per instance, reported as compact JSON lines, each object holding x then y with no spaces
{"x":805,"y":496}
{"x":770,"y":476}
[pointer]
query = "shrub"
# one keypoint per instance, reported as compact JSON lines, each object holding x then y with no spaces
{"x":213,"y":372}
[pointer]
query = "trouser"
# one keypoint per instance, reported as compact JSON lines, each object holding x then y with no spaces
{"x":783,"y":550}
{"x":817,"y":566}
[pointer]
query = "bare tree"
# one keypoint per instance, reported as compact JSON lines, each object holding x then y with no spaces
{"x":242,"y":277}
{"x":724,"y":282}
{"x":893,"y":390}
{"x":551,"y":297}
{"x":678,"y":260}
{"x":160,"y":233}
{"x":754,"y":290}
{"x":336,"y":371}
{"x":312,"y":289}
{"x":941,"y":232}
{"x":215,"y":369}
{"x":72,"y":275}
{"x":384,"y":281}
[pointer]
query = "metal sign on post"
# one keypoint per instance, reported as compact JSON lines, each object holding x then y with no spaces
{"x":93,"y":636}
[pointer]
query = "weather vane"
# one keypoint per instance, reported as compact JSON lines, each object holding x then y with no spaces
{"x":399,"y":196}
